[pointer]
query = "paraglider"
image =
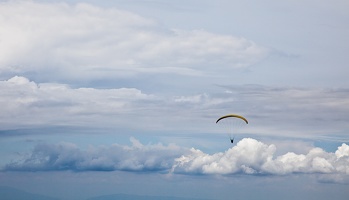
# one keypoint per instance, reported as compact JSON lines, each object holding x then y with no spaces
{"x":232,"y":122}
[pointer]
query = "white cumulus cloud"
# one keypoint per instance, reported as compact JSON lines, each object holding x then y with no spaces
{"x":250,"y":156}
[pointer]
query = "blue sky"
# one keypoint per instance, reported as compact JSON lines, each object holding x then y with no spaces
{"x":107,"y":96}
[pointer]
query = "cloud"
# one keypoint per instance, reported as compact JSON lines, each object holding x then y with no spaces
{"x":289,"y":110}
{"x":295,"y":112}
{"x":29,"y":103}
{"x":249,"y":156}
{"x":68,"y":156}
{"x":83,"y":41}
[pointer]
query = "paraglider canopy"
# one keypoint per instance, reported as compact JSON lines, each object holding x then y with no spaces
{"x":232,"y":115}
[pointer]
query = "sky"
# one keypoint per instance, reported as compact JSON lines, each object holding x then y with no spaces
{"x":104,"y":97}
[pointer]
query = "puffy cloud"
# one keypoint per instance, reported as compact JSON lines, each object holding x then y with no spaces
{"x":250,"y":156}
{"x":68,"y":156}
{"x":246,"y":157}
{"x":342,"y":151}
{"x":83,"y":41}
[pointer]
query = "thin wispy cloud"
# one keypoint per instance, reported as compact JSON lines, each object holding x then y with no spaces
{"x":271,"y":110}
{"x":85,"y":42}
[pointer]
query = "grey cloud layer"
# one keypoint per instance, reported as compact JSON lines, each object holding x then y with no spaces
{"x":67,"y":156}
{"x":249,"y":156}
{"x":271,"y":110}
{"x":303,"y":110}
{"x":66,"y":43}
{"x":87,"y":42}
{"x":29,"y":103}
